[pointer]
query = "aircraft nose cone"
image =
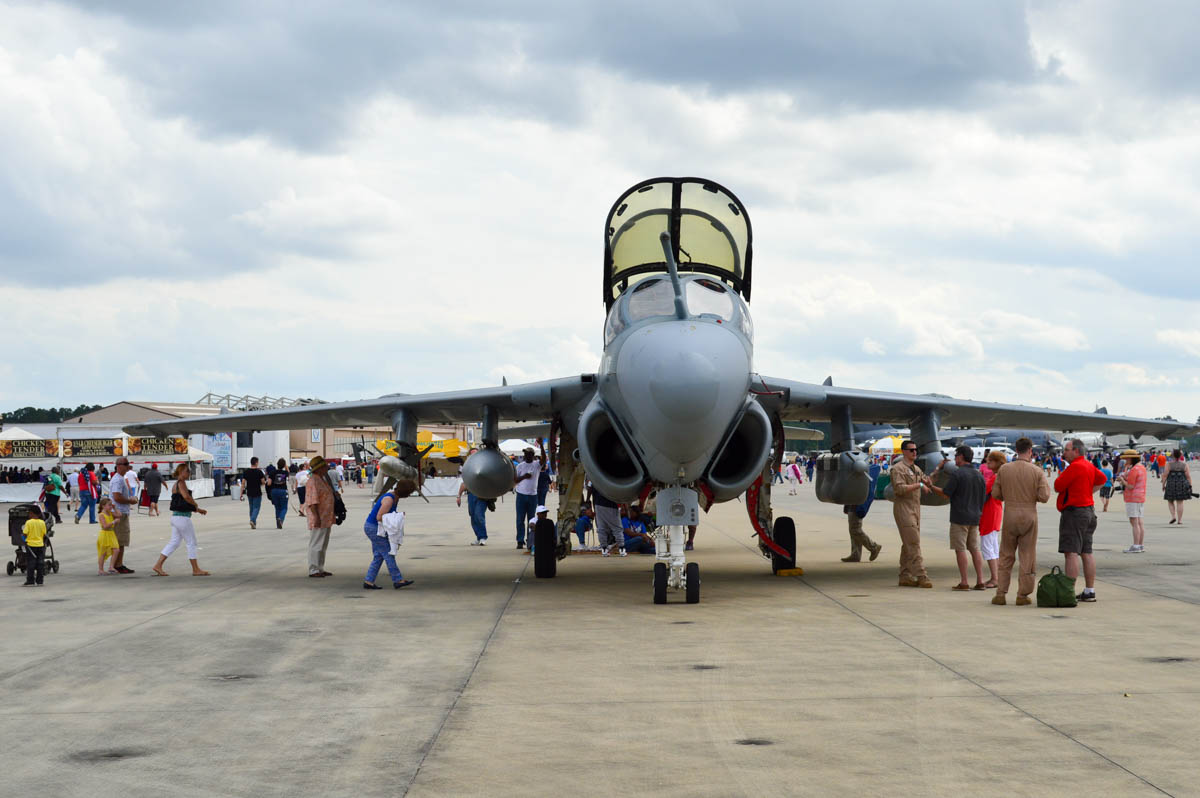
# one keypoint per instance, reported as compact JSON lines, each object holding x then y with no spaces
{"x":685,"y":386}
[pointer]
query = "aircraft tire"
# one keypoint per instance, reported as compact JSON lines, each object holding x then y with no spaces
{"x":692,"y":574}
{"x":660,"y":583}
{"x":784,"y":534}
{"x":545,"y":561}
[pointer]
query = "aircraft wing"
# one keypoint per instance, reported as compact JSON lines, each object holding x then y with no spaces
{"x":529,"y":401}
{"x":802,"y":401}
{"x":804,"y":434}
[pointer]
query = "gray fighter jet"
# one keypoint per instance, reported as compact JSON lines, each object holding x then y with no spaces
{"x":675,"y":407}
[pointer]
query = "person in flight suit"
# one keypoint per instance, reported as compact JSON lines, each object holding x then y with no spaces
{"x":908,"y":485}
{"x":1020,"y":485}
{"x":855,"y":514}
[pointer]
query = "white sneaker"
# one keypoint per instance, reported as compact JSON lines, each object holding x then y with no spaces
{"x":476,"y":542}
{"x":1141,"y":549}
{"x":605,"y":551}
{"x":624,"y":553}
{"x":1130,"y":550}
{"x":483,"y":542}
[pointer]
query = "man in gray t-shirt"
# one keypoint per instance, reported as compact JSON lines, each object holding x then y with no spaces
{"x":124,"y":500}
{"x":152,"y":484}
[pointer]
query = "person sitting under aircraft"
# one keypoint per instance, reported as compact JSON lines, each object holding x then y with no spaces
{"x":637,"y":539}
{"x":583,"y":524}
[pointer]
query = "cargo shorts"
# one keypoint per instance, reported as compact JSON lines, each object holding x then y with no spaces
{"x":121,"y":529}
{"x":964,"y":537}
{"x":1076,"y":526}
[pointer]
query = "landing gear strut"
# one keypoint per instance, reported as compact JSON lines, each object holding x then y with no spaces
{"x":672,"y":570}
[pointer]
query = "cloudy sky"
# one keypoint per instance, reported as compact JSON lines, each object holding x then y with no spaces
{"x":985,"y":199}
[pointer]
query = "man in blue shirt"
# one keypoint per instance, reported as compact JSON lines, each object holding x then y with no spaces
{"x":854,"y":518}
{"x":637,"y":539}
{"x":584,"y":524}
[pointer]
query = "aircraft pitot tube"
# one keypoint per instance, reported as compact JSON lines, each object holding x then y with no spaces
{"x":842,"y":478}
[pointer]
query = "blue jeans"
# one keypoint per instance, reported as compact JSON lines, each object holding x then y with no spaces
{"x":255,"y":506}
{"x":541,"y":496}
{"x":87,"y":502}
{"x":279,"y":498}
{"x":477,"y":509}
{"x":639,"y":546}
{"x":380,"y":548}
{"x":525,"y":513}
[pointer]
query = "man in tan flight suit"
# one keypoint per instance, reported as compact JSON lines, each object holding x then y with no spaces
{"x":907,"y":486}
{"x":1020,"y":485}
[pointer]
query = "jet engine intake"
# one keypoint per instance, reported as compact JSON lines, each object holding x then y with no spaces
{"x":742,"y":456}
{"x":488,"y":474}
{"x":843,"y":478}
{"x":607,"y":458}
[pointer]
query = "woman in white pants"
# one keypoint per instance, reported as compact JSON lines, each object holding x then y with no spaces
{"x":182,"y":531}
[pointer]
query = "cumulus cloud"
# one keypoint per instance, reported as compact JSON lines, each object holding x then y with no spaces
{"x":1186,"y":341}
{"x":944,"y":198}
{"x":1137,"y":376}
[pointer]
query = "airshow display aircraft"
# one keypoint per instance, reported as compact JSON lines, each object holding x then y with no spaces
{"x":675,"y":408}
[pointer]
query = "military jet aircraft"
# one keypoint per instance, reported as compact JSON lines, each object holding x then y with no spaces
{"x":675,"y":407}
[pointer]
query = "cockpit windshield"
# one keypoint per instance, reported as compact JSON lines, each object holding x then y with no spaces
{"x":709,"y":297}
{"x":651,"y":298}
{"x":708,"y":226}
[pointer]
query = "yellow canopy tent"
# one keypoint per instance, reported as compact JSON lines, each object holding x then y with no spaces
{"x":886,"y":445}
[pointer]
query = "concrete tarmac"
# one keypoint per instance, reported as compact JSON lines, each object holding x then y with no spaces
{"x":482,"y":680}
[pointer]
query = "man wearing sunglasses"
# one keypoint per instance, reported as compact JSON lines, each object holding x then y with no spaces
{"x":908,"y":484}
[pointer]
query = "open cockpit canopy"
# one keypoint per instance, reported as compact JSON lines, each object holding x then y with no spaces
{"x":708,"y":226}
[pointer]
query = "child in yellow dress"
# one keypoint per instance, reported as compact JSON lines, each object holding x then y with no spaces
{"x":106,"y":543}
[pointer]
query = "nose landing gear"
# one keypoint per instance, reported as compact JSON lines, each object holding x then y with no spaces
{"x":672,"y":570}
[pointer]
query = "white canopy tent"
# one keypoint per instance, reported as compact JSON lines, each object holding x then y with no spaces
{"x":19,"y":463}
{"x":514,"y":446}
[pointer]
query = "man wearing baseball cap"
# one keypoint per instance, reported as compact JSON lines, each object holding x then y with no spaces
{"x":527,"y":481}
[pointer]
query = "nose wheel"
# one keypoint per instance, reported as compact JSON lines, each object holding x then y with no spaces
{"x":672,"y":571}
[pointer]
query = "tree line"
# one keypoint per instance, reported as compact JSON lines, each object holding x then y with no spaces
{"x":45,"y":415}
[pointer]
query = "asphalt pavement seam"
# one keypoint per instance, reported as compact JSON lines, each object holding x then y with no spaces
{"x":470,"y":675}
{"x":962,"y":676}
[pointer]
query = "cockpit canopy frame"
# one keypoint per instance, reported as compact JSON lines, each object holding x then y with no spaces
{"x":709,"y":228}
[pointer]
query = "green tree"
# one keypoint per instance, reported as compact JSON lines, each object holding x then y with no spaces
{"x":45,"y":415}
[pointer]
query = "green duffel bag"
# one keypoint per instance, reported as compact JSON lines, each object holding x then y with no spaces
{"x":1056,"y":589}
{"x":881,"y":485}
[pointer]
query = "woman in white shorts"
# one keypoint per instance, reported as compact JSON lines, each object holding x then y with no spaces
{"x":993,"y":515}
{"x":1133,"y":478}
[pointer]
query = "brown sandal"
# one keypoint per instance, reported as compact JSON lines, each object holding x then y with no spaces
{"x":961,"y":586}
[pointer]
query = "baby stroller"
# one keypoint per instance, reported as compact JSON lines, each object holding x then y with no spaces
{"x":17,"y":516}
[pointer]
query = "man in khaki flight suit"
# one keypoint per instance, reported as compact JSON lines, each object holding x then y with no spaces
{"x":907,"y":486}
{"x":1020,"y":485}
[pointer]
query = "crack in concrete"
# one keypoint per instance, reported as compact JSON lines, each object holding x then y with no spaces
{"x":470,"y":675}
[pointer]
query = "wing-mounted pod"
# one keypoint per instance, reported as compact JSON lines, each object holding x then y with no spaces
{"x":607,"y":456}
{"x":741,"y":458}
{"x":488,"y":473}
{"x":842,"y":475}
{"x":842,"y":478}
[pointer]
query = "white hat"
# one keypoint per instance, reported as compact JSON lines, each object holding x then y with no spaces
{"x":541,"y":508}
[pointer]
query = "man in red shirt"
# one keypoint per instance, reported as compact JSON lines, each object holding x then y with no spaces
{"x":87,"y":494}
{"x":1075,"y":486}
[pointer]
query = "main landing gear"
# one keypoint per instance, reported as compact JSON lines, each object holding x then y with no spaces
{"x":671,"y":569}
